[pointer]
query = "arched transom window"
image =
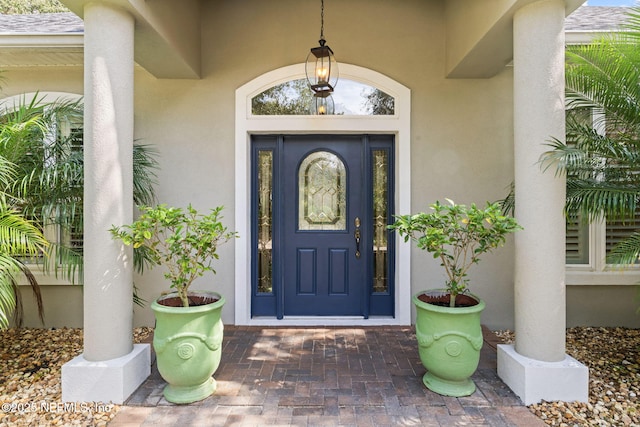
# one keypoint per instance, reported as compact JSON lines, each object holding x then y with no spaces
{"x":294,"y":98}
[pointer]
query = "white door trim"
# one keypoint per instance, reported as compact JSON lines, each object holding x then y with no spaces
{"x":246,"y":124}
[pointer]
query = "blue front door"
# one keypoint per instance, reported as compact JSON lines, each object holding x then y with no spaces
{"x":320,"y":207}
{"x":322,"y":236}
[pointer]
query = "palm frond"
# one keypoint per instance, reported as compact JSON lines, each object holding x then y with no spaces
{"x":18,"y":313}
{"x":145,"y":164}
{"x":508,"y":204}
{"x":598,"y":76}
{"x":42,"y":179}
{"x":63,"y":261}
{"x":137,"y":299}
{"x":7,"y":173}
{"x":595,"y":200}
{"x":10,"y":297}
{"x":8,"y":272}
{"x":18,"y":236}
{"x":562,"y":156}
{"x":601,"y":157}
{"x":627,"y":251}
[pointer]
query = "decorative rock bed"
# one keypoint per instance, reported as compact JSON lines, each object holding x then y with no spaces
{"x":613,"y":358}
{"x":30,"y":390}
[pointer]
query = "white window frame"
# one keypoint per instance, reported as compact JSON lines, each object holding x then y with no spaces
{"x":597,"y":271}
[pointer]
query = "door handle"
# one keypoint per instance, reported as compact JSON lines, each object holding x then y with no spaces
{"x":356,"y":234}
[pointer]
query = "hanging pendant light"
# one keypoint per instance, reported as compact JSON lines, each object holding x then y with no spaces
{"x":323,"y":103}
{"x":321,"y":66}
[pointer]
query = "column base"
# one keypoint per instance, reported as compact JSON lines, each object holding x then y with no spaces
{"x":533,"y":380}
{"x":107,"y":380}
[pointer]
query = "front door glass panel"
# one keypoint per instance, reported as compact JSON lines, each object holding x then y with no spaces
{"x":265,"y":221}
{"x":322,"y":195}
{"x":380,"y":164}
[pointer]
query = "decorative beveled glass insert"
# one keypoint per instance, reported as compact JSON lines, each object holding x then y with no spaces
{"x":265,"y":221}
{"x":380,"y":162}
{"x":322,"y":179}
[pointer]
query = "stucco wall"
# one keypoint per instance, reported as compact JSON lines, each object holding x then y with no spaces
{"x":604,"y":305}
{"x":462,"y":130}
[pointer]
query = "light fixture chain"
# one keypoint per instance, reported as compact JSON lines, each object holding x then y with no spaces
{"x":322,"y":72}
{"x":322,"y":20}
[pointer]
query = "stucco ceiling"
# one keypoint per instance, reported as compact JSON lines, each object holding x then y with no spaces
{"x":167,"y":42}
{"x":41,"y":50}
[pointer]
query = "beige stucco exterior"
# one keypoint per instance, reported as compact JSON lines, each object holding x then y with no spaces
{"x":461,"y":117}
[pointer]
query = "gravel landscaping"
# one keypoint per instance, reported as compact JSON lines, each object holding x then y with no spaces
{"x":30,"y":393}
{"x":613,"y":358}
{"x":30,"y":390}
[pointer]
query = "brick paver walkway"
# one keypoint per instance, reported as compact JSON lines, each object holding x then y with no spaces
{"x":329,"y":376}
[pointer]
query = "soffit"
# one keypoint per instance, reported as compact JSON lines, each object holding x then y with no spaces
{"x":167,"y":34}
{"x":50,"y":57}
{"x":480,"y":35}
{"x":48,"y":39}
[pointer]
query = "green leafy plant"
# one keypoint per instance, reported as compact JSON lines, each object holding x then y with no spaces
{"x":182,"y":240}
{"x":41,"y":181}
{"x":601,"y":155}
{"x":31,"y":6}
{"x":19,"y":241}
{"x":458,"y":235}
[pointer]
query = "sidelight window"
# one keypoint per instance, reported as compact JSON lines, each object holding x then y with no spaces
{"x":265,"y":221}
{"x":380,"y":163}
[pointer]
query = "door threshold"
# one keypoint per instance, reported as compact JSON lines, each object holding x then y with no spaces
{"x":325,"y":321}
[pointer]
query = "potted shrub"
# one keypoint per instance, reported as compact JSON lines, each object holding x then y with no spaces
{"x":448,"y":320}
{"x":189,"y":331}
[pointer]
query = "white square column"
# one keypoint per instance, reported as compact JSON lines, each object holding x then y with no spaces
{"x":533,"y":380}
{"x":108,"y":380}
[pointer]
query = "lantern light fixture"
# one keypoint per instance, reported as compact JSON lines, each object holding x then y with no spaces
{"x":321,"y":66}
{"x":322,"y":103}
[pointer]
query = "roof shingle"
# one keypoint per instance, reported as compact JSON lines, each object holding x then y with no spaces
{"x":41,"y":23}
{"x":596,"y":18}
{"x":585,"y":18}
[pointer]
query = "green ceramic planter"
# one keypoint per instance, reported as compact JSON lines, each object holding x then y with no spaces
{"x":188,"y":346}
{"x":449,"y":341}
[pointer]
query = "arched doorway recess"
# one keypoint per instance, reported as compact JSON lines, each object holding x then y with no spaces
{"x":247,"y":125}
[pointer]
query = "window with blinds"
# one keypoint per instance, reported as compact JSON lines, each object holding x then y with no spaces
{"x":577,"y":230}
{"x":581,"y":237}
{"x":617,"y":231}
{"x":577,"y":241}
{"x":74,"y":236}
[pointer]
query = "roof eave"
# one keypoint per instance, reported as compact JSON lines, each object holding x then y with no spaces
{"x":26,"y":40}
{"x":583,"y":36}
